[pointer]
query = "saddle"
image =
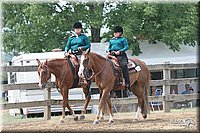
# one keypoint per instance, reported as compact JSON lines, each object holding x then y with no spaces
{"x":73,"y":59}
{"x":132,"y":66}
{"x":73,"y":62}
{"x":74,"y":65}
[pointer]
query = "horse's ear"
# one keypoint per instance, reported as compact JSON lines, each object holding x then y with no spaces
{"x":45,"y":62}
{"x":88,"y":51}
{"x":38,"y":61}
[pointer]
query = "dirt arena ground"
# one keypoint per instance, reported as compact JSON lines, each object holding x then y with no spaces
{"x":156,"y":122}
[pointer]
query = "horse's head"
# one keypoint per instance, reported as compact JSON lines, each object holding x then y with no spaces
{"x":85,"y":65}
{"x":44,"y":73}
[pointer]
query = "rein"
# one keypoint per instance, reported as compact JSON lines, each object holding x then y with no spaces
{"x":94,"y":75}
{"x":50,"y":82}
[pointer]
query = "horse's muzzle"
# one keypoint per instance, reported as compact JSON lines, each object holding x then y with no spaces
{"x":81,"y":75}
{"x":42,"y":86}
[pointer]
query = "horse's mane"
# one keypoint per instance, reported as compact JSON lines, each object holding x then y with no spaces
{"x":55,"y":59}
{"x":99,"y":56}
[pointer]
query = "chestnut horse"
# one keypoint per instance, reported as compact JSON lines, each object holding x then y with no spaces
{"x":64,"y":80}
{"x":105,"y":80}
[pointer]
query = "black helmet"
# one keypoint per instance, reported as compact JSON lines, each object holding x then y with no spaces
{"x":187,"y":85}
{"x":77,"y":25}
{"x":118,"y":29}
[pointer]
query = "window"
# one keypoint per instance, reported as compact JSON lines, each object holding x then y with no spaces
{"x":184,"y":73}
{"x":94,"y":90}
{"x":27,"y":61}
{"x":156,"y":75}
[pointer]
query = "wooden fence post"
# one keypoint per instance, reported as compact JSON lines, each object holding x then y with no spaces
{"x":166,"y":87}
{"x":47,"y":109}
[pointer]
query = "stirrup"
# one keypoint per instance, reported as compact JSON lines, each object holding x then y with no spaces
{"x":127,"y":87}
{"x":129,"y":93}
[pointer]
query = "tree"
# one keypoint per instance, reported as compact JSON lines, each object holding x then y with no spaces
{"x":172,"y":23}
{"x":38,"y":27}
{"x":34,"y":27}
{"x":92,"y":15}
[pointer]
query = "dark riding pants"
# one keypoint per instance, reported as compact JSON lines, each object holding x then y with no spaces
{"x":123,"y":61}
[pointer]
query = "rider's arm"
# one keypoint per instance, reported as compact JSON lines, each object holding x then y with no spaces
{"x":68,"y":45}
{"x":86,"y":42}
{"x":109,"y":47}
{"x":125,"y":44}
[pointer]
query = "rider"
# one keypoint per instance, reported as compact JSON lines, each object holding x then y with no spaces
{"x":118,"y":45}
{"x":77,"y":43}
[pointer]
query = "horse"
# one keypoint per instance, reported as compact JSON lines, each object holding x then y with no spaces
{"x":60,"y":67}
{"x":105,"y":80}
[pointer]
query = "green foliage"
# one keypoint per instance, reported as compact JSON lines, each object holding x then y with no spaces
{"x":172,"y":23}
{"x":34,"y":27}
{"x":41,"y":27}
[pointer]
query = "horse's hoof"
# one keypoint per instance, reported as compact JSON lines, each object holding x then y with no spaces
{"x":61,"y":122}
{"x":96,"y":122}
{"x":144,"y":116}
{"x":111,"y":122}
{"x":82,"y":117}
{"x":76,"y":118}
{"x":101,"y":118}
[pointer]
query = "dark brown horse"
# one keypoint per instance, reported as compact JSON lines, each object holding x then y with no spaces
{"x":64,"y":80}
{"x":105,"y":80}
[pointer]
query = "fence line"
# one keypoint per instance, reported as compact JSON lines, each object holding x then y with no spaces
{"x":156,"y":67}
{"x":166,"y":82}
{"x":132,"y":100}
{"x":28,"y":86}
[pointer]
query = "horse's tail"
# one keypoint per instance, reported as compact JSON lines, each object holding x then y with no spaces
{"x":146,"y":92}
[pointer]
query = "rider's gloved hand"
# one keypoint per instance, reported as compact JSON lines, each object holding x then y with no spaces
{"x":79,"y":49}
{"x":66,"y":54}
{"x":117,"y":53}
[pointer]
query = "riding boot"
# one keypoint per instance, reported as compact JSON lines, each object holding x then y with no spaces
{"x":123,"y":60}
{"x":126,"y":77}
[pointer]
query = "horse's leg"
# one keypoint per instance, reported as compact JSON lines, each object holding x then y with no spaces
{"x":135,"y":89}
{"x":72,"y":112}
{"x":69,"y":108}
{"x":110,"y":110}
{"x":61,"y":121}
{"x":101,"y":117}
{"x":101,"y":104}
{"x":138,"y":110}
{"x":87,"y":100}
{"x":140,"y":95}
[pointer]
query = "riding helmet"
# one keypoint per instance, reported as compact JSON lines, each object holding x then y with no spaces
{"x":118,"y":29}
{"x":77,"y":25}
{"x":187,"y":85}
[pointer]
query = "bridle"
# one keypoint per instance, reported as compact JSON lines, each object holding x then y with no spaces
{"x":94,"y":75}
{"x":47,"y":75}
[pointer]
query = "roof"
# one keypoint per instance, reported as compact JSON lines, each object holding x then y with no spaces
{"x":158,"y":53}
{"x":151,"y":53}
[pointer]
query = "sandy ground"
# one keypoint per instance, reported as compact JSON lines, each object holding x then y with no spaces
{"x":156,"y":121}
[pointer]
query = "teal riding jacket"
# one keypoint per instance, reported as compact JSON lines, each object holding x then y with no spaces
{"x":74,"y":42}
{"x":118,"y":44}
